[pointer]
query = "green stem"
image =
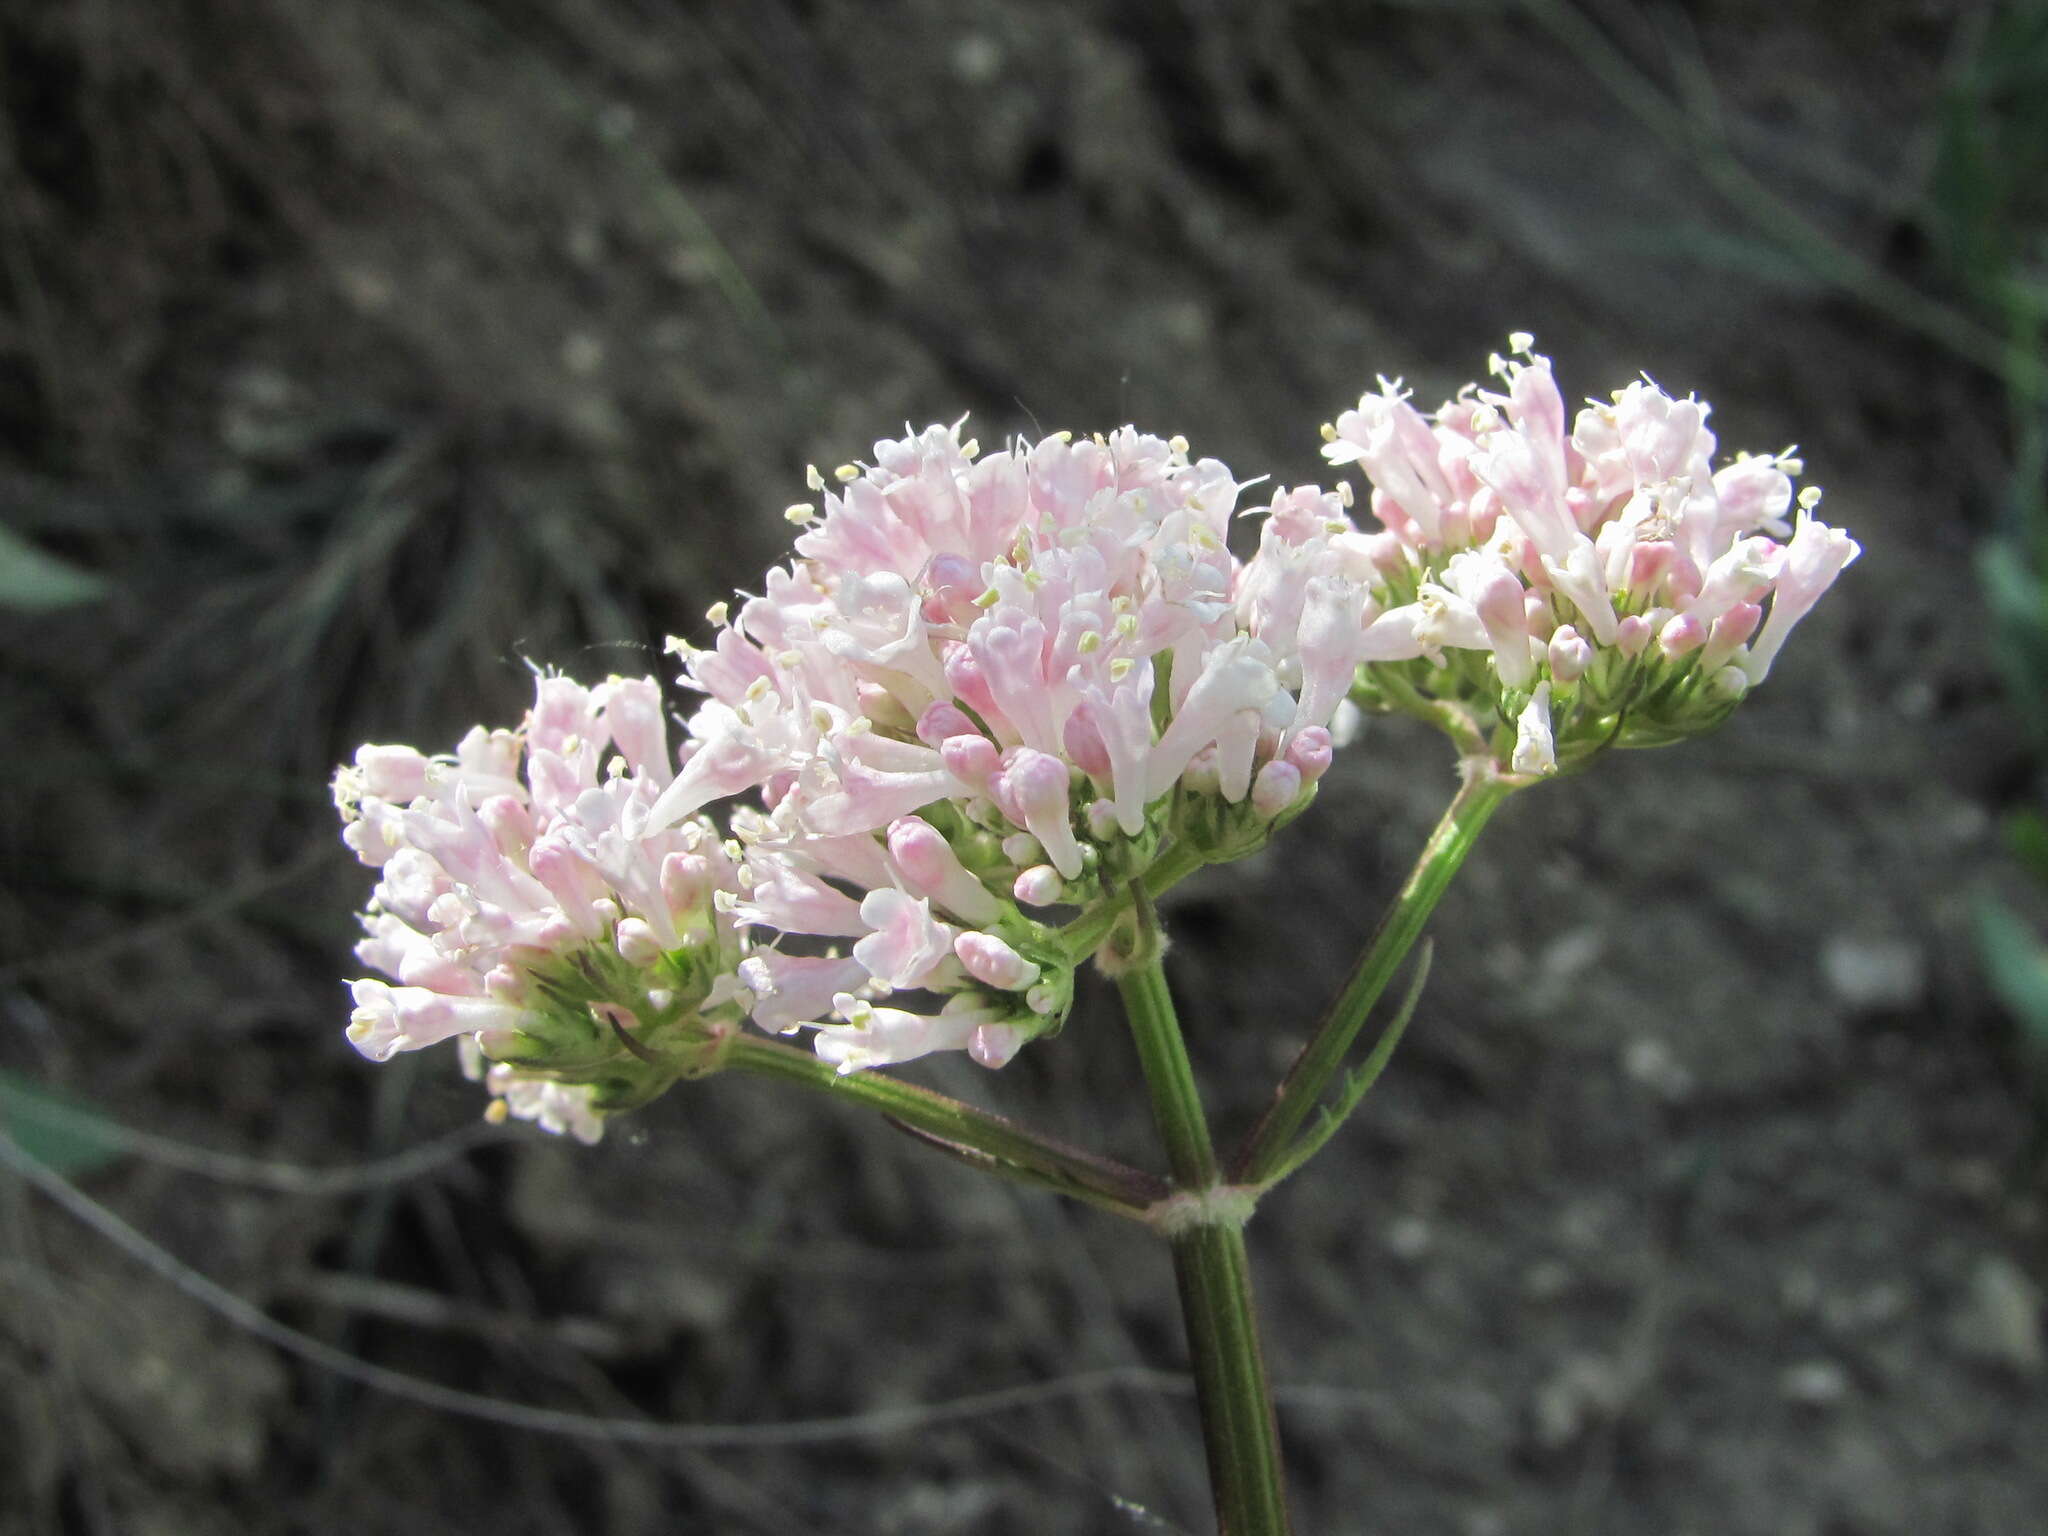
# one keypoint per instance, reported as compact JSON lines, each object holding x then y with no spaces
{"x":1209,"y":1261}
{"x":1085,"y":933}
{"x":1270,"y":1146}
{"x":1238,"y":1426}
{"x":987,"y":1139}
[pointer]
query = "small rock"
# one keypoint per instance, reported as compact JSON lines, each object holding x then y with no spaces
{"x":1816,"y":1383}
{"x":1999,"y":1322}
{"x":1650,"y":1061}
{"x":977,"y":58}
{"x":1408,"y":1237}
{"x":1583,"y":1391}
{"x":1874,"y":974}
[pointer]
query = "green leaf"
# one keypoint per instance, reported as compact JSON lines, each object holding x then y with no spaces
{"x":2016,"y":964}
{"x":33,"y":581}
{"x":2018,"y":602}
{"x":59,"y":1132}
{"x":2026,"y":836}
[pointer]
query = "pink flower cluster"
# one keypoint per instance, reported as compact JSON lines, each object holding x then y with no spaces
{"x":987,"y":687}
{"x":1619,"y":588}
{"x":523,"y":906}
{"x":989,"y":690}
{"x":1054,"y":637}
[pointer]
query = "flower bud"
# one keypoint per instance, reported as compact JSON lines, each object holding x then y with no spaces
{"x":637,"y":942}
{"x":1682,"y":634}
{"x":1039,"y":886}
{"x":1277,"y":787}
{"x":970,"y":758}
{"x":1312,"y":751}
{"x":1037,"y":784}
{"x":1102,"y":822}
{"x":1648,"y":565}
{"x":392,"y":773}
{"x":1023,"y":848}
{"x":992,"y":961}
{"x":930,"y":867}
{"x":993,"y":1045}
{"x":1570,"y":655}
{"x":1730,"y":633}
{"x":942,"y":720}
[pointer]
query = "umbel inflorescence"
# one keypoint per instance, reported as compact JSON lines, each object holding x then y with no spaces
{"x":990,"y":693}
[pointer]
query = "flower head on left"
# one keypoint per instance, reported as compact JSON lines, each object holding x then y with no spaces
{"x":523,"y":908}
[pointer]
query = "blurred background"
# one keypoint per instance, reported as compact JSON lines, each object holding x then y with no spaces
{"x":353,"y":353}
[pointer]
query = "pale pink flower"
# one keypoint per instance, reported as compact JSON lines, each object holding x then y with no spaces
{"x":513,"y":857}
{"x":1552,"y":545}
{"x":875,"y":1036}
{"x":1815,"y":556}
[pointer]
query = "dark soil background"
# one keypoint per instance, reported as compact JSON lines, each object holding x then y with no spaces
{"x":369,"y":347}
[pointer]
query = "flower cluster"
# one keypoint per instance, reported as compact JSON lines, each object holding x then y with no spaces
{"x":523,"y":908}
{"x":1586,"y":585}
{"x":988,"y":691}
{"x":987,"y":688}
